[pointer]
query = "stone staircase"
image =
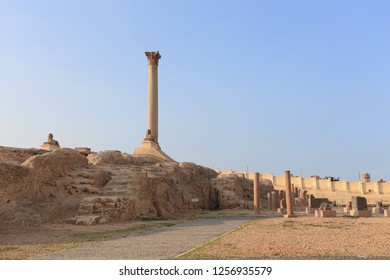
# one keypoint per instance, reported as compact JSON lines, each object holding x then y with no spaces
{"x":107,"y":199}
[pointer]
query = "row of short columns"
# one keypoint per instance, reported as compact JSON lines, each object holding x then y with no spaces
{"x":278,"y":199}
{"x":285,"y":200}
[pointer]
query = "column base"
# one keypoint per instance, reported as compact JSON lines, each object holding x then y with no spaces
{"x":49,"y":147}
{"x":325,"y":213}
{"x":360,"y":213}
{"x":289,"y":216}
{"x":152,"y":149}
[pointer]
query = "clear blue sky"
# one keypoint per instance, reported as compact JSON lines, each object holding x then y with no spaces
{"x":272,"y":85}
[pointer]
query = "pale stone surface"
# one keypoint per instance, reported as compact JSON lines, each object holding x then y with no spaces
{"x":386,"y":212}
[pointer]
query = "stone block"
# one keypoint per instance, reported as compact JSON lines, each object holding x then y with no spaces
{"x":316,"y":202}
{"x":310,"y":210}
{"x":360,"y":213}
{"x":359,"y":203}
{"x":325,"y":213}
{"x":377,"y":210}
{"x":386,"y":212}
{"x":346,"y":210}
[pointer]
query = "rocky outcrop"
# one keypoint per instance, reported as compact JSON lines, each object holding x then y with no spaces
{"x":17,"y":155}
{"x":49,"y":166}
{"x":23,"y":181}
{"x":27,"y":190}
{"x":110,"y":157}
{"x":235,"y":191}
{"x":118,"y":158}
{"x":112,"y":186}
{"x":14,"y":182}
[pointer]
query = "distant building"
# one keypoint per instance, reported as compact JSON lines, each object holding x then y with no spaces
{"x":366,"y":178}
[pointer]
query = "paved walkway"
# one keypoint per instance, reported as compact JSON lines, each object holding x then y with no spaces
{"x":163,"y":243}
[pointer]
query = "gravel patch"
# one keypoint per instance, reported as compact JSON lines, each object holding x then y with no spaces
{"x":305,"y":237}
{"x":164,"y":243}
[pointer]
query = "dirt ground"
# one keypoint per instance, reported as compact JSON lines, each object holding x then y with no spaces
{"x":304,"y":237}
{"x":269,"y":237}
{"x":22,"y":242}
{"x":18,"y":241}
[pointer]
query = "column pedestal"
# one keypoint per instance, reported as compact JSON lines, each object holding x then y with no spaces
{"x":151,"y":149}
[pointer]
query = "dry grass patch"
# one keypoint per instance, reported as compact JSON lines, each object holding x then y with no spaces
{"x":303,"y":237}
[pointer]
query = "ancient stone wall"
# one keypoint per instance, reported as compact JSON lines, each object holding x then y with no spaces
{"x":335,"y":190}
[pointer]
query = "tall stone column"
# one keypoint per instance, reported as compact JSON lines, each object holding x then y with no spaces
{"x":153,"y":58}
{"x":287,"y":177}
{"x":150,"y":146}
{"x":256,"y":193}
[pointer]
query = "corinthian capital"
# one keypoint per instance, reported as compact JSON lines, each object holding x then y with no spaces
{"x":153,"y":58}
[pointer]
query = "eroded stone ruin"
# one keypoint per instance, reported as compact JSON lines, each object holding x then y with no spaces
{"x":38,"y":186}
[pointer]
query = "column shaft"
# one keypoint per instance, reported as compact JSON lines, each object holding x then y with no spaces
{"x":288,"y":194}
{"x":256,"y":193}
{"x":153,"y":101}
